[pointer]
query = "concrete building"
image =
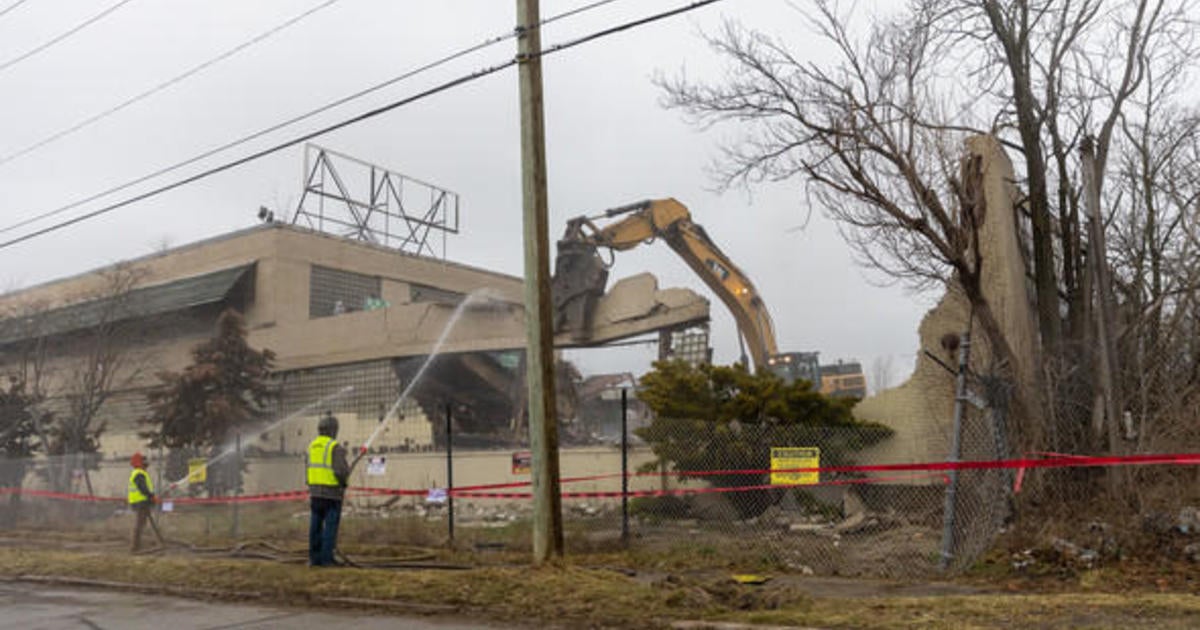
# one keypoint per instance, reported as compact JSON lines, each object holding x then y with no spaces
{"x":335,"y":311}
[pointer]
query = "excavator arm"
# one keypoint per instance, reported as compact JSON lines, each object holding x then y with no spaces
{"x":581,"y":272}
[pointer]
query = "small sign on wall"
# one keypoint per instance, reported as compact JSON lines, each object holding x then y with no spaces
{"x":522,"y":462}
{"x":377,"y":466}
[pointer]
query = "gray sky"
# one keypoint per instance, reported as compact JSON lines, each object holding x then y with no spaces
{"x":608,"y":142}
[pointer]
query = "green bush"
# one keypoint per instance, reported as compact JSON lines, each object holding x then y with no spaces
{"x":714,"y":418}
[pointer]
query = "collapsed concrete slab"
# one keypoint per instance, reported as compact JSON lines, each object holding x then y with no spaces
{"x":635,"y":305}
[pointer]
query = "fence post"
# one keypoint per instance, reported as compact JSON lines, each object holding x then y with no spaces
{"x":960,"y":393}
{"x":160,"y":469}
{"x":624,"y":466}
{"x":450,"y":473}
{"x":237,"y":482}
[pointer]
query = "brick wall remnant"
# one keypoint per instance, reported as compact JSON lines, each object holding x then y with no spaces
{"x":921,"y":409}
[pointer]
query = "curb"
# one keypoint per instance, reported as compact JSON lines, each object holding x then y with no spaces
{"x":202,"y":593}
{"x":733,"y":625}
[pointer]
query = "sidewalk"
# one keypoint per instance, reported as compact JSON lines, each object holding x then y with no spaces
{"x":29,"y":606}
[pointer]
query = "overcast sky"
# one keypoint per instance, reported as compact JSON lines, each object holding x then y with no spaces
{"x":609,"y":142}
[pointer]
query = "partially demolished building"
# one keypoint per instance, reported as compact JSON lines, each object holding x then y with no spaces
{"x":336,"y":311}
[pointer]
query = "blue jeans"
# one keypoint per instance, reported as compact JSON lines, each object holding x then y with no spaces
{"x":323,"y":530}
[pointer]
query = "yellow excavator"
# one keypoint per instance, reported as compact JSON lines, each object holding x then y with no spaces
{"x":580,"y":275}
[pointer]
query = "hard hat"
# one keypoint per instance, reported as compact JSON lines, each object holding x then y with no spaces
{"x":138,"y":460}
{"x":328,"y":425}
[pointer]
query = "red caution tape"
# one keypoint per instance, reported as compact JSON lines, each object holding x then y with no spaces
{"x":689,"y":491}
{"x":932,"y":469}
{"x":268,"y":497}
{"x":66,"y":496}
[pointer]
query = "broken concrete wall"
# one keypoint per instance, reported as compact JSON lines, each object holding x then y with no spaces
{"x":921,"y":410}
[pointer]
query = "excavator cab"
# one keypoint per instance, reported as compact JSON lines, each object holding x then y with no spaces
{"x":795,"y":366}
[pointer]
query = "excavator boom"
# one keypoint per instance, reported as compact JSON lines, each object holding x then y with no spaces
{"x":581,"y":273}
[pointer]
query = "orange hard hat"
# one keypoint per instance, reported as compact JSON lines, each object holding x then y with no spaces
{"x":138,"y":460}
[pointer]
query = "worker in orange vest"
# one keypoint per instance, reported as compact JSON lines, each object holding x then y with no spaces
{"x":141,"y":497}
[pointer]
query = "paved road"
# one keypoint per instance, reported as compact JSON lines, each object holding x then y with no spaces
{"x":37,"y":607}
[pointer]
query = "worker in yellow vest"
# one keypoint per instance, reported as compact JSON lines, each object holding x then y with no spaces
{"x":328,"y":475}
{"x":141,"y":497}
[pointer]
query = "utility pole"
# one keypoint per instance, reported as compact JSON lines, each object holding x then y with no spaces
{"x":539,"y":333}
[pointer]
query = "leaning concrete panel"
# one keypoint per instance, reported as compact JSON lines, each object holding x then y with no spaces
{"x":921,"y":409}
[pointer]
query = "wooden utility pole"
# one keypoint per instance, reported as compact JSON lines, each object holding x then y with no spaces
{"x":539,"y":333}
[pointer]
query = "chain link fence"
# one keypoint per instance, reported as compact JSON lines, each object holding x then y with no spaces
{"x":710,"y":499}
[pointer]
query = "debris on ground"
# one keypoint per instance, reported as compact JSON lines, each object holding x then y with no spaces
{"x":1074,"y":554}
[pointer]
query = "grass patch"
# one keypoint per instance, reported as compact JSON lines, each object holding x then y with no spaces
{"x":547,"y":594}
{"x":577,"y":596}
{"x":1062,"y":610}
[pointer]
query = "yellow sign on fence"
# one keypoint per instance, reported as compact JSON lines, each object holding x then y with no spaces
{"x":197,"y":470}
{"x":790,"y":457}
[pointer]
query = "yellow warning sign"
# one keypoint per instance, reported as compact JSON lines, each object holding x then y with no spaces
{"x":197,"y":470}
{"x":791,"y":457}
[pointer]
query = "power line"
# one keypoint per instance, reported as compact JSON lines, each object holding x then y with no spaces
{"x":462,"y":80}
{"x":79,"y":27}
{"x":231,"y":52}
{"x":626,"y":26}
{"x":62,"y":133}
{"x":567,"y":14}
{"x":10,"y":7}
{"x":479,"y":74}
{"x":295,"y":119}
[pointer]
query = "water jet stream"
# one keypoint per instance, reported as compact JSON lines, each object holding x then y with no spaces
{"x":183,"y":483}
{"x":478,"y":295}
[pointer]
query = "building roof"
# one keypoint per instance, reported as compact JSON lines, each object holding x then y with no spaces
{"x":141,"y":302}
{"x":236,"y":234}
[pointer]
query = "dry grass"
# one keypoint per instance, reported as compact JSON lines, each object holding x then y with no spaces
{"x":546,"y":594}
{"x":996,"y":611}
{"x":575,"y":596}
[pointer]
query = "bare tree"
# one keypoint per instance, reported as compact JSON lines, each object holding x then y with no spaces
{"x":870,"y":139}
{"x":101,"y":363}
{"x":1156,"y":185}
{"x":877,"y":134}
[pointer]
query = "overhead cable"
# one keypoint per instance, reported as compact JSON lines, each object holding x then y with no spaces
{"x":62,"y":133}
{"x":294,"y":120}
{"x":461,"y":80}
{"x":10,"y":7}
{"x":78,"y":27}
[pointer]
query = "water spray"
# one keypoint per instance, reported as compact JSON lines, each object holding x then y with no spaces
{"x":485,"y":293}
{"x":184,"y":482}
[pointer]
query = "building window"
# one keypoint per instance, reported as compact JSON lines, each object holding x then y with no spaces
{"x":333,"y":292}
{"x":423,"y":293}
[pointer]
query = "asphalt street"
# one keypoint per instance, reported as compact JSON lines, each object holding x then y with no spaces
{"x":38,"y":607}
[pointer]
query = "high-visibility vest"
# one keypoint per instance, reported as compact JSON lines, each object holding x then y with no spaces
{"x":135,"y":495}
{"x":320,"y":462}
